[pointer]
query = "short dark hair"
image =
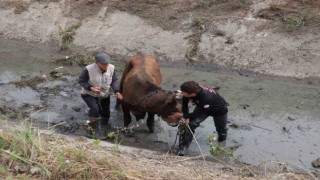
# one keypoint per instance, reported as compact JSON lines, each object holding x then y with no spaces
{"x":190,"y":87}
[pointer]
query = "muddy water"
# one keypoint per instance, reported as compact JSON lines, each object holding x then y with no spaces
{"x":269,"y":120}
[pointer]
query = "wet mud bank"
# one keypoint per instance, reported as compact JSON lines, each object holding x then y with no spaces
{"x":272,"y":122}
{"x":216,"y":68}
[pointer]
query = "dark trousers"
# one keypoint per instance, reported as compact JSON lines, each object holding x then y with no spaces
{"x":220,"y":123}
{"x":98,"y":107}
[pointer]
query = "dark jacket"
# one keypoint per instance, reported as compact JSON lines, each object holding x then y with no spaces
{"x":84,"y":78}
{"x":207,"y":101}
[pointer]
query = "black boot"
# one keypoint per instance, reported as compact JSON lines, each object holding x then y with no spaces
{"x":104,"y":121}
{"x":221,"y":127}
{"x":92,"y":127}
{"x":222,"y":136}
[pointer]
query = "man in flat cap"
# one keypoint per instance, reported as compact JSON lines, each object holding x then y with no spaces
{"x":98,"y":80}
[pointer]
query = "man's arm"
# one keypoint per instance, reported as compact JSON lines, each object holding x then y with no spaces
{"x":185,"y":108}
{"x":115,"y":83}
{"x":83,"y":80}
{"x":202,"y":108}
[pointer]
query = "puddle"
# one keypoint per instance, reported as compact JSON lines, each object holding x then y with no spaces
{"x":18,"y":96}
{"x":269,"y":120}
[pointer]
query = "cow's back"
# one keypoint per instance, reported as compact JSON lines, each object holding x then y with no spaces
{"x":142,"y":68}
{"x":140,"y":86}
{"x":147,"y":66}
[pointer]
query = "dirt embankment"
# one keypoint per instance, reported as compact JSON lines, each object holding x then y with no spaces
{"x":269,"y":37}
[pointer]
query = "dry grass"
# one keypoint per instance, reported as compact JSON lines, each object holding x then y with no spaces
{"x":198,"y":28}
{"x":30,"y":153}
{"x":29,"y":81}
{"x":18,"y":5}
{"x":294,"y":16}
{"x":80,"y":59}
{"x":66,"y":35}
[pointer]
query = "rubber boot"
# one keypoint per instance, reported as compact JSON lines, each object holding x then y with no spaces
{"x":222,"y":136}
{"x":104,"y":125}
{"x":104,"y":121}
{"x":92,"y":127}
{"x":185,"y":139}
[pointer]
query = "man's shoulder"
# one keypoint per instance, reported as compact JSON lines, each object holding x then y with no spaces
{"x":90,"y":66}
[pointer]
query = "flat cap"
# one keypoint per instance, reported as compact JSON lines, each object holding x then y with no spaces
{"x":103,"y":58}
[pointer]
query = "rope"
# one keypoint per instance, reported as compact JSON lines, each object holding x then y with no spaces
{"x":175,"y":141}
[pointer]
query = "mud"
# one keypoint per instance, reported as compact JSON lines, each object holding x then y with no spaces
{"x":270,"y":121}
{"x":244,"y":36}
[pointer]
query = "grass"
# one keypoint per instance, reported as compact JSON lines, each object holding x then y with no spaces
{"x":293,"y":18}
{"x":294,"y":23}
{"x":29,"y":81}
{"x":194,"y":39}
{"x":216,"y":149}
{"x":18,"y":5}
{"x":22,"y":150}
{"x":66,"y":35}
{"x":80,"y":59}
{"x":84,"y":60}
{"x":30,"y":153}
{"x":229,"y":4}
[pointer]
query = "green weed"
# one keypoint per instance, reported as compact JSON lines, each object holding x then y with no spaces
{"x":115,"y":136}
{"x":294,"y":23}
{"x":66,"y":36}
{"x":194,"y":39}
{"x":3,"y":169}
{"x":216,"y":149}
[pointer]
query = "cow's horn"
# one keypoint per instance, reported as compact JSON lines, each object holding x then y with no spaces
{"x":178,"y":94}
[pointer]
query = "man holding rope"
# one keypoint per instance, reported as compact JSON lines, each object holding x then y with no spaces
{"x":208,"y":103}
{"x":98,"y":80}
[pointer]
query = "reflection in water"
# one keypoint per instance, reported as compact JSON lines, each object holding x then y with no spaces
{"x":25,"y":57}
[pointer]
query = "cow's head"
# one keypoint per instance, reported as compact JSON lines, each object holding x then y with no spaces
{"x":172,"y":110}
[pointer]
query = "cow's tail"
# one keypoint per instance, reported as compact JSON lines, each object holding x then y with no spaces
{"x":128,"y":67}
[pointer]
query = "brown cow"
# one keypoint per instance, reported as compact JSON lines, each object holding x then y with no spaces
{"x":140,"y":86}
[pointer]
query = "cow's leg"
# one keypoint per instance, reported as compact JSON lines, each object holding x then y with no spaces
{"x":139,"y":115}
{"x":126,"y":115}
{"x":105,"y":110}
{"x":150,"y":122}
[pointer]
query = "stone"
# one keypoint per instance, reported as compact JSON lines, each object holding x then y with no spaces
{"x":35,"y":170}
{"x":316,"y":163}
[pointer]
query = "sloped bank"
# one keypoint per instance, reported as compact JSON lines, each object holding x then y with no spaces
{"x":39,"y":154}
{"x":238,"y":47}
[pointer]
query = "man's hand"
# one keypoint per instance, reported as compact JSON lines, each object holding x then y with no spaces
{"x":119,"y":96}
{"x":175,"y":116}
{"x":186,"y":121}
{"x":95,"y":89}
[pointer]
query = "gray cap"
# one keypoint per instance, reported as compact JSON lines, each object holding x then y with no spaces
{"x":103,"y":58}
